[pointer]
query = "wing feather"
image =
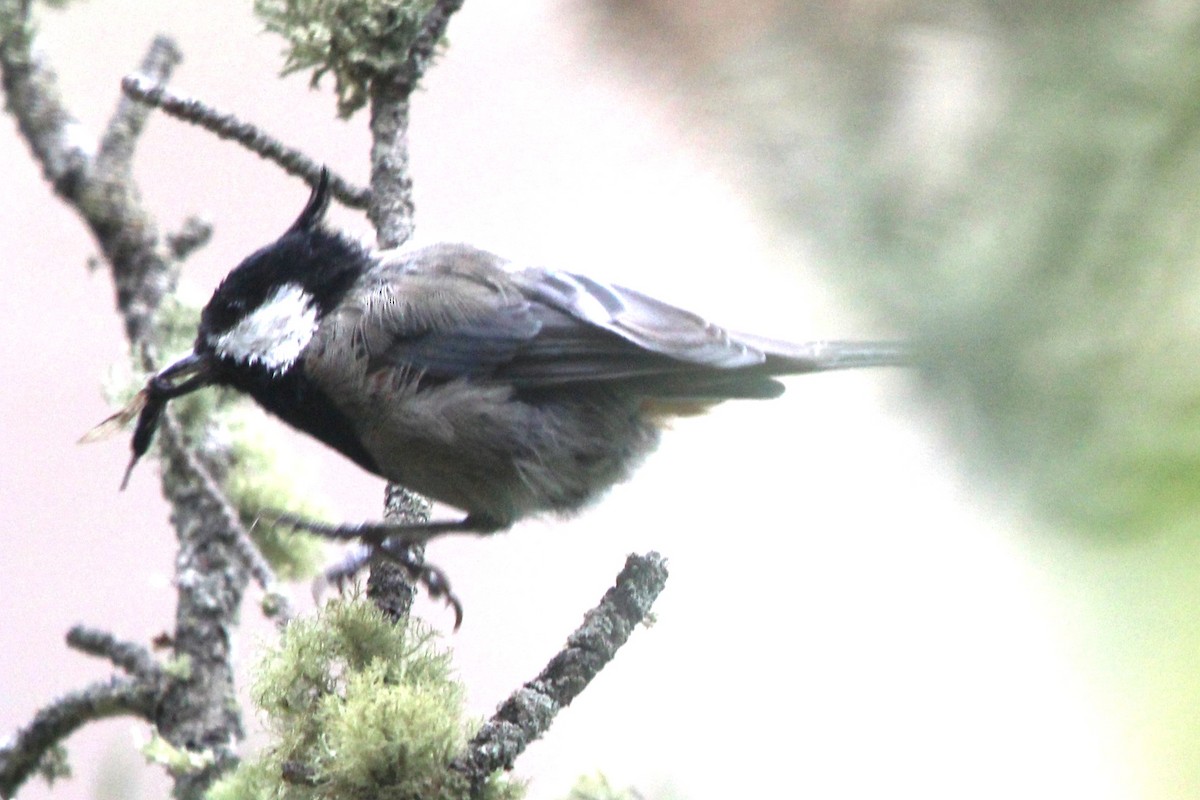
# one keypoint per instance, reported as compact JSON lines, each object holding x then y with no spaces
{"x":639,"y":319}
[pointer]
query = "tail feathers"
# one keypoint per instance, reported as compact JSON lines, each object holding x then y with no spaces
{"x":788,"y":358}
{"x":708,"y":385}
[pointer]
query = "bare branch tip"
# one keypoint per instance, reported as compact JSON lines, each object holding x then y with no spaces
{"x":529,"y":711}
{"x":131,"y":657}
{"x":140,"y":87}
{"x":194,"y":234}
{"x":166,"y":49}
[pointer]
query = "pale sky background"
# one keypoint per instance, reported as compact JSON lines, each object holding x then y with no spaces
{"x":845,"y":617}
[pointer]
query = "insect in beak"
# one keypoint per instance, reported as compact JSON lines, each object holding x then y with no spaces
{"x":189,"y":373}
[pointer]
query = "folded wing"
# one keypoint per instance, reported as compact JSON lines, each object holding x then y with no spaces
{"x":453,"y":311}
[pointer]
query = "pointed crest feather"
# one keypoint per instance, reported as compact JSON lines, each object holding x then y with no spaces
{"x":318,"y":203}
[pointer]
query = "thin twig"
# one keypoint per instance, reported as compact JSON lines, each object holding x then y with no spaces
{"x":131,"y":657}
{"x":127,"y":122}
{"x":194,"y":234}
{"x":226,"y":126}
{"x":433,"y":28}
{"x":528,"y":713}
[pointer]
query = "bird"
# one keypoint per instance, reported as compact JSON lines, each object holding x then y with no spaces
{"x":501,"y":389}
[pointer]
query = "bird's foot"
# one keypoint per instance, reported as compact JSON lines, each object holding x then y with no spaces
{"x":395,"y":542}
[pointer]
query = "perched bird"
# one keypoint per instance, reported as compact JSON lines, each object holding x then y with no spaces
{"x":500,"y":389}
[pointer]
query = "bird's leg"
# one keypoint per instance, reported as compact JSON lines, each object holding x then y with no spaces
{"x":376,"y":533}
{"x":395,"y":542}
{"x":399,"y":552}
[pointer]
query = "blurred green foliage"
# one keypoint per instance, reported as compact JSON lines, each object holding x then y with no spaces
{"x":598,"y":787}
{"x":1015,"y":186}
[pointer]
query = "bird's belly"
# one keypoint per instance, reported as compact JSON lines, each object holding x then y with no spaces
{"x":482,"y":449}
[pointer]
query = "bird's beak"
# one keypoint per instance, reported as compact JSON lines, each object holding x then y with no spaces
{"x":188,"y":374}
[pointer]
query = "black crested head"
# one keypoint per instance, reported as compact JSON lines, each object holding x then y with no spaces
{"x":256,"y":326}
{"x":280,"y":291}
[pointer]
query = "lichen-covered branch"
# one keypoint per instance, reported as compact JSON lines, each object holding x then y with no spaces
{"x":390,"y":588}
{"x":226,"y":126}
{"x":22,"y":756}
{"x":433,"y":28}
{"x":200,"y":711}
{"x":197,"y":711}
{"x":194,"y":234}
{"x":58,"y":141}
{"x":391,"y":208}
{"x":129,"y":120}
{"x":391,"y":212}
{"x":528,"y":713}
{"x":128,"y":656}
{"x":139,"y":695}
{"x":226,"y":524}
{"x":93,"y":179}
{"x":142,"y":267}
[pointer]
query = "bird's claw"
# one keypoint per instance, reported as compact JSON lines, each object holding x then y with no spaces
{"x":395,"y":550}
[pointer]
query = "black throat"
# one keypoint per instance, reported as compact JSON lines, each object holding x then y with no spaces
{"x":300,"y":403}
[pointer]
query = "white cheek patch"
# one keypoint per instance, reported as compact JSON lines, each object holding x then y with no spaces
{"x":275,"y":333}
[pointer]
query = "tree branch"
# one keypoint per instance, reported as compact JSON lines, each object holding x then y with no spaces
{"x":57,"y":139}
{"x":194,"y":234}
{"x":433,"y":28}
{"x":128,"y":656}
{"x":21,"y":757}
{"x":391,"y":208}
{"x":391,"y":212}
{"x":223,"y":518}
{"x":528,"y":713}
{"x":388,"y":586}
{"x":199,"y":711}
{"x":226,"y":126}
{"x":100,"y":190}
{"x":129,"y":120}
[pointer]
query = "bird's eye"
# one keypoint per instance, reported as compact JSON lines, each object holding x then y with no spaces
{"x":223,"y":313}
